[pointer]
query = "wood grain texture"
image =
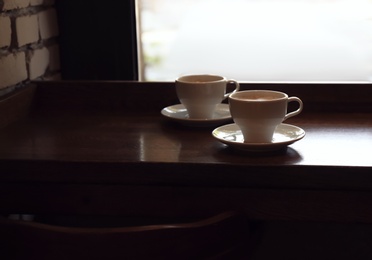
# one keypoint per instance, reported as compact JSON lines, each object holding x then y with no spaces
{"x":16,"y":106}
{"x":128,"y":95}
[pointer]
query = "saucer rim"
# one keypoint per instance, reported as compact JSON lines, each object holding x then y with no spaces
{"x":191,"y":121}
{"x":259,"y":146}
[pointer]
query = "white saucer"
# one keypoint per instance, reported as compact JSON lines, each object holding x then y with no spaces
{"x":179,"y":114}
{"x":284,"y":135}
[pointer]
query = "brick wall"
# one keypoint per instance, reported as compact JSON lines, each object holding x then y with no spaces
{"x":28,"y":43}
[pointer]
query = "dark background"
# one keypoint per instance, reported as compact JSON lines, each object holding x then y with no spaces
{"x":97,"y":39}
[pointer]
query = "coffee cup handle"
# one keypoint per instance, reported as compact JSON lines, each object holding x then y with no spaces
{"x":237,"y":87}
{"x":296,"y":112}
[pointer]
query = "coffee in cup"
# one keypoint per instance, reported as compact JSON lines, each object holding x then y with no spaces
{"x":200,"y":94}
{"x":258,"y":112}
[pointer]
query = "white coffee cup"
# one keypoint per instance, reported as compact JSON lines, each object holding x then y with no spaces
{"x":258,"y":112}
{"x":200,"y":94}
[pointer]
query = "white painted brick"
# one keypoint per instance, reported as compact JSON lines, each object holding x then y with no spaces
{"x":12,"y":69}
{"x":27,"y":29}
{"x":5,"y":32}
{"x":54,"y":58}
{"x":39,"y":62}
{"x":36,"y":2}
{"x":15,"y":4}
{"x":48,"y":23}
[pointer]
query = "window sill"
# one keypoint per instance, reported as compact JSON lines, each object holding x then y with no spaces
{"x":100,"y":133}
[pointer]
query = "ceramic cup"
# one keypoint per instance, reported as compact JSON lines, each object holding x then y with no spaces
{"x":200,"y":94}
{"x":259,"y":112}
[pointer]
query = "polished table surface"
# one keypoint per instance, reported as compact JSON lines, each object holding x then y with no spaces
{"x":82,"y":148}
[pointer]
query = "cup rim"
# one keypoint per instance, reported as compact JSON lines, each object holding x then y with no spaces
{"x":218,"y":78}
{"x":235,"y":95}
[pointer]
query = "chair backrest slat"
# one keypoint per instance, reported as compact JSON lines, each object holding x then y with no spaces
{"x":216,"y":238}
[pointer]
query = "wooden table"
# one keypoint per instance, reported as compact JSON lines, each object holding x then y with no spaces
{"x":103,"y":148}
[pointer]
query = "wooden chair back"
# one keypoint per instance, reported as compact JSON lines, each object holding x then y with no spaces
{"x":223,"y":236}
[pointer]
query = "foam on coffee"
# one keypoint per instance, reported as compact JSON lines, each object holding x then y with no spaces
{"x":259,"y":97}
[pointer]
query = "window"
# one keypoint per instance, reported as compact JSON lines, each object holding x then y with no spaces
{"x":257,"y":40}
